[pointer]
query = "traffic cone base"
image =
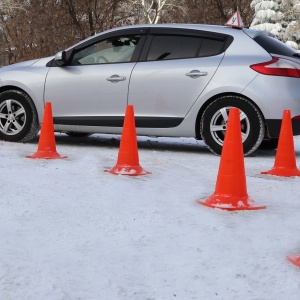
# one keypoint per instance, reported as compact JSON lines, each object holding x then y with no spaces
{"x":294,"y":259}
{"x":127,"y":170}
{"x":285,"y":159}
{"x":230,"y":203}
{"x":46,"y":155}
{"x":282,"y":171}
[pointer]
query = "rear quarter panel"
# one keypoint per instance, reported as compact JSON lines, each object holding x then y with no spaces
{"x":232,"y":76}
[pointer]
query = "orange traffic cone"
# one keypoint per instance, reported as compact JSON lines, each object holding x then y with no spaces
{"x":47,"y":145}
{"x":128,"y":157}
{"x":294,"y":259}
{"x":285,"y":159}
{"x":231,"y":191}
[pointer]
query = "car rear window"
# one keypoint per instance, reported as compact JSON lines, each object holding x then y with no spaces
{"x":273,"y":45}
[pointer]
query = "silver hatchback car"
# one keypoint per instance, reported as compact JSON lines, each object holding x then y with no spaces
{"x":181,"y":79}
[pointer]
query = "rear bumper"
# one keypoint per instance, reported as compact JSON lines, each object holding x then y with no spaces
{"x":273,"y":127}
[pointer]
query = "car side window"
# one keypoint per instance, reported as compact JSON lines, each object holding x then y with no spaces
{"x":112,"y":50}
{"x":210,"y":47}
{"x":164,"y":47}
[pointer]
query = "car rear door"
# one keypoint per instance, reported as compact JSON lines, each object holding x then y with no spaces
{"x":175,"y":67}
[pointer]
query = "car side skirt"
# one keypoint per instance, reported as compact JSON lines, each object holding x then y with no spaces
{"x":143,"y":122}
{"x":274,"y":125}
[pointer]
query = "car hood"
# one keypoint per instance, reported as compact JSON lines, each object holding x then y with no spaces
{"x":19,"y":65}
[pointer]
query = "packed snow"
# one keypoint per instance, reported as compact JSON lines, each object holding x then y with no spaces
{"x":70,"y":231}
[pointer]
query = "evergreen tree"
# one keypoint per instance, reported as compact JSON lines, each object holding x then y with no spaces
{"x":267,"y":16}
{"x":279,"y":17}
{"x":291,"y":22}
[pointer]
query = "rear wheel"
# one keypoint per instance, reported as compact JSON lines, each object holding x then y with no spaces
{"x":18,"y":117}
{"x":214,"y":122}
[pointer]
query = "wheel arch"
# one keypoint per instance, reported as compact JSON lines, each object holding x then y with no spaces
{"x":11,"y":87}
{"x":210,"y":100}
{"x":16,"y":88}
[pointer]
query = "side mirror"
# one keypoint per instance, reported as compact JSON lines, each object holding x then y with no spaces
{"x":61,"y":58}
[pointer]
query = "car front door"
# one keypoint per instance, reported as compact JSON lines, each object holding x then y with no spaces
{"x":92,"y":89}
{"x":175,"y":68}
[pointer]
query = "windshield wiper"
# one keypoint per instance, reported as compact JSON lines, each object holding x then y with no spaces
{"x":296,"y":55}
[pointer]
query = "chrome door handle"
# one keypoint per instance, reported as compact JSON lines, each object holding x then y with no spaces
{"x":116,"y":78}
{"x":195,"y":74}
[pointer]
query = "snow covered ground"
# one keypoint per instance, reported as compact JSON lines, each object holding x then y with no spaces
{"x":70,"y":231}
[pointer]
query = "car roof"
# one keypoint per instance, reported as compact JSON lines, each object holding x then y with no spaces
{"x":204,"y":27}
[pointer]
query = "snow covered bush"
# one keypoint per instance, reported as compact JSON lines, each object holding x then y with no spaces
{"x":279,"y":17}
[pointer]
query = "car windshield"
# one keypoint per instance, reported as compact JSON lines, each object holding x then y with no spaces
{"x":273,"y":45}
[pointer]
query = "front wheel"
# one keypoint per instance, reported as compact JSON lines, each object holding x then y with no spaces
{"x":18,"y":117}
{"x":214,"y":122}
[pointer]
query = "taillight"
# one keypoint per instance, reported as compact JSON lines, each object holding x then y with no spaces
{"x":278,"y":67}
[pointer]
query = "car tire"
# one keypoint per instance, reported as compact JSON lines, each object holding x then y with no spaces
{"x":214,"y":122}
{"x":18,"y":117}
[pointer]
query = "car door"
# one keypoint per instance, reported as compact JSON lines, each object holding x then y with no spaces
{"x":92,"y":89}
{"x":176,"y":66}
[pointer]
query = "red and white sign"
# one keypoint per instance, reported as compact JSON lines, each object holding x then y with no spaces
{"x":235,"y":20}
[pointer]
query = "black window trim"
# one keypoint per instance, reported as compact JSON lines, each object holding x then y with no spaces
{"x":185,"y":32}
